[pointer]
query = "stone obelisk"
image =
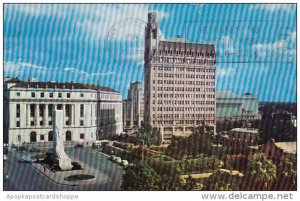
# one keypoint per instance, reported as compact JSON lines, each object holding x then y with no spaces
{"x":60,"y":155}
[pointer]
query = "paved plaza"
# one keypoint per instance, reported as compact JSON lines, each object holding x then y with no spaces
{"x":32,"y":176}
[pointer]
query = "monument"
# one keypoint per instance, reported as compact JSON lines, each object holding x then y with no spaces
{"x":59,"y":154}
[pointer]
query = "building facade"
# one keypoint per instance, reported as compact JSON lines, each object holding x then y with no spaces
{"x":133,"y":107}
{"x":89,"y":111}
{"x":231,"y":107}
{"x":179,"y":83}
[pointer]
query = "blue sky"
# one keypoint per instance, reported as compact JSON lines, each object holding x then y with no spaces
{"x":103,"y":44}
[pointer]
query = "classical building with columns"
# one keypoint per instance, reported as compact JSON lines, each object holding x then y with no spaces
{"x":179,"y":83}
{"x":133,"y":107}
{"x":90,"y":112}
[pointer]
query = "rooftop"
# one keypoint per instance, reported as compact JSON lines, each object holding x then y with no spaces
{"x":60,"y":85}
{"x":248,"y":130}
{"x":180,"y":44}
{"x":287,"y":147}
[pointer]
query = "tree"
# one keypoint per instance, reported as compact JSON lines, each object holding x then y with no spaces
{"x":148,"y":135}
{"x":143,"y":178}
{"x":223,"y":181}
{"x":140,"y":177}
{"x":263,"y":170}
{"x":190,"y":184}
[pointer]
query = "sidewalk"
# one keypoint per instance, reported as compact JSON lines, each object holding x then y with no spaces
{"x":59,"y":177}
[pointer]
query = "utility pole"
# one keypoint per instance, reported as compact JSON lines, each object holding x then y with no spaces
{"x":143,"y":150}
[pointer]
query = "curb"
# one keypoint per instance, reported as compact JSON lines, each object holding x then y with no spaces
{"x":51,"y":178}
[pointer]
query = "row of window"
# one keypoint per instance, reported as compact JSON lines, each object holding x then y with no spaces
{"x":181,"y":102}
{"x":182,"y":69}
{"x":188,"y":109}
{"x":171,"y":82}
{"x":51,"y":95}
{"x":182,"y":115}
{"x":185,"y":52}
{"x":182,"y":122}
{"x":171,"y":95}
{"x":42,"y":123}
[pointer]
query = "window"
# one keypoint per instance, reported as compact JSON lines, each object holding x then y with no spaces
{"x":50,"y":123}
{"x":81,"y":122}
{"x":41,"y":110}
{"x":81,"y":135}
{"x":81,"y":110}
{"x":42,"y":137}
{"x":32,"y":123}
{"x":18,"y":94}
{"x":33,"y":95}
{"x":51,"y":95}
{"x":59,"y":95}
{"x":81,"y":95}
{"x":18,"y":110}
{"x":18,"y":123}
{"x":42,"y":95}
{"x":32,"y":110}
{"x":68,"y":95}
{"x":41,"y":123}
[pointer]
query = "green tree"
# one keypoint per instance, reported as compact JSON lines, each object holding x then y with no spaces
{"x":140,"y":177}
{"x":223,"y":181}
{"x":190,"y":183}
{"x":148,"y":135}
{"x":263,"y":170}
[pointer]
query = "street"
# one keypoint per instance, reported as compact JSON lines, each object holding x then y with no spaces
{"x":22,"y":176}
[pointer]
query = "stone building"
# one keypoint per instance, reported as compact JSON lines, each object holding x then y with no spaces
{"x":231,"y":107}
{"x":179,"y":83}
{"x":91,"y":112}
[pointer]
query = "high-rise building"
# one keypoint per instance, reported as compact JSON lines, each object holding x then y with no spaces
{"x":133,"y":107}
{"x":179,"y":83}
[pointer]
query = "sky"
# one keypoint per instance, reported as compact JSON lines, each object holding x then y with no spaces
{"x":103,"y":44}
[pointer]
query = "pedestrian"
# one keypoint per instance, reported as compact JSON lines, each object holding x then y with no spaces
{"x":44,"y":169}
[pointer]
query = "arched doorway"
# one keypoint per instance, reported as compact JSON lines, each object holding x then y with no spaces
{"x":50,"y":136}
{"x":33,"y":137}
{"x":68,"y":136}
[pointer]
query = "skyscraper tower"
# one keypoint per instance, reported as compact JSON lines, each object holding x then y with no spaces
{"x":179,"y":83}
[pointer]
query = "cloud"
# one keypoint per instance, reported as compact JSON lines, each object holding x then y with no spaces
{"x":275,"y":7}
{"x":112,"y":26}
{"x":224,"y":72}
{"x":271,"y":46}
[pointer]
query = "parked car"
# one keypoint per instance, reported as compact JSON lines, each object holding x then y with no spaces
{"x":5,"y":177}
{"x":112,"y":158}
{"x":25,"y":158}
{"x":4,"y":157}
{"x":96,"y":144}
{"x":118,"y":160}
{"x":125,"y":163}
{"x":34,"y":150}
{"x":20,"y":148}
{"x":78,"y":146}
{"x":5,"y":150}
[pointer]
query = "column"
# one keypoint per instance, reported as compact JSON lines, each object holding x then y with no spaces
{"x":36,"y":115}
{"x":28,"y":114}
{"x":64,"y":113}
{"x":131,"y":113}
{"x":71,"y":114}
{"x":46,"y":115}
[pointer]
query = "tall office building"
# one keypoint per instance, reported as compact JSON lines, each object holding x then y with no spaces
{"x":179,"y":83}
{"x":133,"y":107}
